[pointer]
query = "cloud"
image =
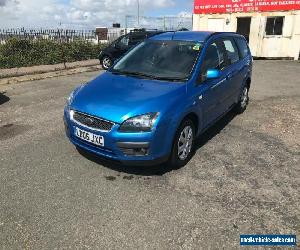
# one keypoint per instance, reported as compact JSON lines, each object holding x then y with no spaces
{"x":5,"y":2}
{"x":75,"y":13}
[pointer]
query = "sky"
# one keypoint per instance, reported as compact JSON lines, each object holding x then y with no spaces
{"x":86,"y":14}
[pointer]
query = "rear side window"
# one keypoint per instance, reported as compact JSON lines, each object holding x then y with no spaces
{"x":136,"y":38}
{"x":232,"y":51}
{"x":243,"y":47}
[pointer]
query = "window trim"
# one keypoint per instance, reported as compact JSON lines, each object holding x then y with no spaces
{"x":283,"y":23}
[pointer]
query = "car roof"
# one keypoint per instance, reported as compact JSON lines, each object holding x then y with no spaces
{"x":199,"y":36}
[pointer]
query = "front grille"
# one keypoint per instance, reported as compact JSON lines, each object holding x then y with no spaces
{"x":92,"y":122}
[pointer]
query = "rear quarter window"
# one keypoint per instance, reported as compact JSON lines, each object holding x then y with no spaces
{"x":242,"y":46}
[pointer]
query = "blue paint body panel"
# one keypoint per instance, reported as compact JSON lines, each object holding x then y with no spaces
{"x":116,"y":98}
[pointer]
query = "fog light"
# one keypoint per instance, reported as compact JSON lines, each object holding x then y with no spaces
{"x":134,"y":148}
{"x":135,"y":151}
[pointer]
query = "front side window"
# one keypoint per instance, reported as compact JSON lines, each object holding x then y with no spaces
{"x":169,"y":60}
{"x":214,"y":58}
{"x":274,"y":25}
{"x":232,"y":51}
{"x":123,"y":42}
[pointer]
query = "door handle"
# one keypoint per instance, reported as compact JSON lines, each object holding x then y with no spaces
{"x":229,"y":76}
{"x":218,"y":83}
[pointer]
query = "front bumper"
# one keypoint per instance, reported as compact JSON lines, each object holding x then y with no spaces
{"x":129,"y":148}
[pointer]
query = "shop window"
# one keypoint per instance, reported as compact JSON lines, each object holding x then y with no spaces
{"x":274,"y":25}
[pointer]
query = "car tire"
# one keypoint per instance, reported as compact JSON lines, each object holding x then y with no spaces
{"x":242,"y":104}
{"x":106,"y":62}
{"x":181,"y":154}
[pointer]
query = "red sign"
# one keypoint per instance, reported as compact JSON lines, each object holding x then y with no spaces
{"x":229,"y":6}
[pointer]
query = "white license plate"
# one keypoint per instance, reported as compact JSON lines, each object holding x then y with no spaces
{"x":89,"y":137}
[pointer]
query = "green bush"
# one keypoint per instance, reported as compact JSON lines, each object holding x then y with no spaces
{"x":23,"y":53}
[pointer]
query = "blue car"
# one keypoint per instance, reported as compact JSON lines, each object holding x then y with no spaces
{"x":152,"y":104}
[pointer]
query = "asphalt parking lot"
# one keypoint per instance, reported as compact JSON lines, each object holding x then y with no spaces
{"x":243,"y":179}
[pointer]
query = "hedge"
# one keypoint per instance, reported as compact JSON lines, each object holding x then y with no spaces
{"x":23,"y":53}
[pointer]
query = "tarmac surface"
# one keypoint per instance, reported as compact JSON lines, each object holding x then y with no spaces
{"x":243,"y":179}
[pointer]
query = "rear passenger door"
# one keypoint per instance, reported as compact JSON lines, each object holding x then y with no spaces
{"x":245,"y":63}
{"x":232,"y":72}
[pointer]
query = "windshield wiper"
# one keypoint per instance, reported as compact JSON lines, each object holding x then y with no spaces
{"x":172,"y":79}
{"x":132,"y":73}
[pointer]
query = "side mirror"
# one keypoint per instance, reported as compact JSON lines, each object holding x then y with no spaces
{"x":213,"y":74}
{"x":209,"y":74}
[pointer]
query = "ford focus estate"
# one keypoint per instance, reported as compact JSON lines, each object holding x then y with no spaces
{"x":149,"y":107}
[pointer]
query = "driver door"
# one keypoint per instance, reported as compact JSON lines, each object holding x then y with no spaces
{"x":210,"y":91}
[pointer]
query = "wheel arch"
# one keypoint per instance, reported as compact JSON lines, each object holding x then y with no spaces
{"x":194,"y":118}
{"x":105,"y":55}
{"x":248,"y":82}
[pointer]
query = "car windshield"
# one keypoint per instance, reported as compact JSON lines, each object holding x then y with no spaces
{"x":163,"y":60}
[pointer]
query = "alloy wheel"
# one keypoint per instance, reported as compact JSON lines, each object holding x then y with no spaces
{"x":185,"y":142}
{"x":244,"y":97}
{"x":106,"y":62}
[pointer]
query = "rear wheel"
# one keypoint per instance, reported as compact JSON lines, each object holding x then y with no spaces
{"x":183,"y":144}
{"x":241,"y":106}
{"x":106,"y":62}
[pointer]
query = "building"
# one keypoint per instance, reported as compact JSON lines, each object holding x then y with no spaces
{"x":272,"y":28}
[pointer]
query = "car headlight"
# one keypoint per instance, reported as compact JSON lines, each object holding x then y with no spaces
{"x":141,"y":123}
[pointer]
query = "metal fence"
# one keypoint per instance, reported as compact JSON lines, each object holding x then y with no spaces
{"x":65,"y":35}
{"x":101,"y":35}
{"x":160,"y":23}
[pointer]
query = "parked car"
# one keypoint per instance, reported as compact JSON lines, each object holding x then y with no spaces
{"x":156,"y":100}
{"x":120,"y":46}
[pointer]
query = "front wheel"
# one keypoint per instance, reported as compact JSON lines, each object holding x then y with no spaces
{"x":183,"y":144}
{"x":106,"y":62}
{"x":243,"y":101}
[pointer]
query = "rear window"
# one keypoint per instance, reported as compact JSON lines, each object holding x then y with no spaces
{"x":243,"y":47}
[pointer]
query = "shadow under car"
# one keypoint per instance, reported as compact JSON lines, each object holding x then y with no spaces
{"x":3,"y":98}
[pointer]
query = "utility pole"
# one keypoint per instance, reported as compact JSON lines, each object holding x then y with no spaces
{"x":138,"y":13}
{"x":126,"y":24}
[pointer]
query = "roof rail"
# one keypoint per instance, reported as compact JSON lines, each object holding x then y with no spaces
{"x":143,"y":30}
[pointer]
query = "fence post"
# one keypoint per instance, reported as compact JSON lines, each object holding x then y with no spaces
{"x":62,"y":49}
